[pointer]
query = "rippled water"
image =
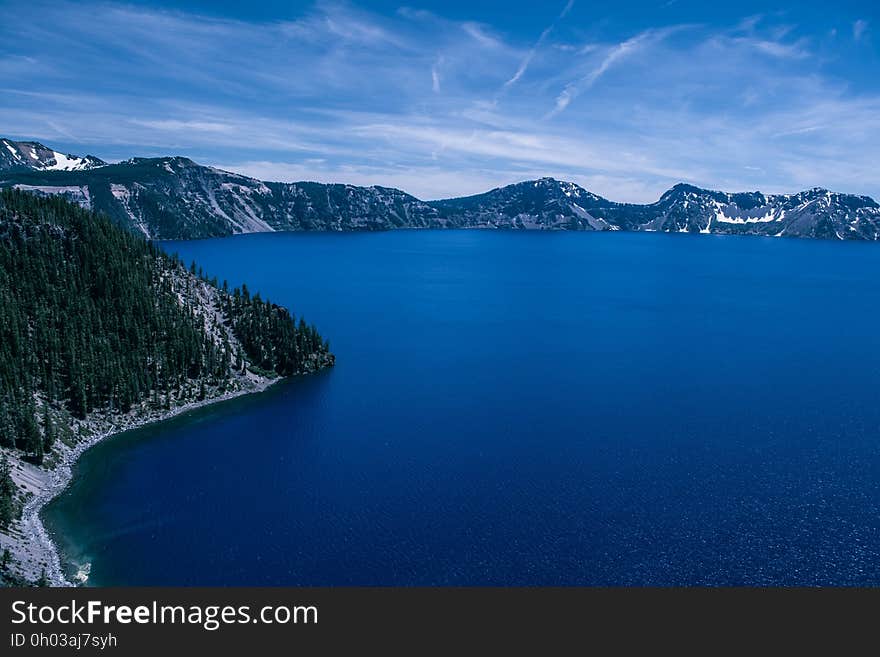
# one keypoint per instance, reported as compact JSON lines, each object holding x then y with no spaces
{"x":520,"y":408}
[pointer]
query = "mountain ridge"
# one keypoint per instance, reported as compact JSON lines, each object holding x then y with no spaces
{"x":32,"y":155}
{"x":174,"y":197}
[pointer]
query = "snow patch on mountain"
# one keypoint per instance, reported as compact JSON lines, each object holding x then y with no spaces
{"x":64,"y":163}
{"x":771,"y":214}
{"x":35,"y":156}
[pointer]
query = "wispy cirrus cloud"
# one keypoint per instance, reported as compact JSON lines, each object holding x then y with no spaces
{"x":607,"y":59}
{"x":770,"y":40}
{"x":441,"y":106}
{"x":478,"y":33}
{"x":435,"y":75}
{"x":524,"y":63}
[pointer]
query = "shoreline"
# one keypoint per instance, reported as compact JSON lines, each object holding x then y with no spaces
{"x":60,"y":476}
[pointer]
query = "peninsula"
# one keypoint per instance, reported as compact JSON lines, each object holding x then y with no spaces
{"x":101,"y":332}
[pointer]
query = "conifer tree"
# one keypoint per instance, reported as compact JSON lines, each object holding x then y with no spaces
{"x":7,"y":493}
{"x":48,"y":429}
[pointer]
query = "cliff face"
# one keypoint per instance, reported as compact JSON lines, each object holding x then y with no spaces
{"x":175,"y":198}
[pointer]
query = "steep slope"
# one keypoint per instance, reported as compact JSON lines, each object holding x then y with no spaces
{"x":32,"y":155}
{"x":101,"y":331}
{"x":175,"y":198}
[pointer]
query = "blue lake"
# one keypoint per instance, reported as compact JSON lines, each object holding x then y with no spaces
{"x":519,"y":408}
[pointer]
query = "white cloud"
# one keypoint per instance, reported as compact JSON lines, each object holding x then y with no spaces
{"x":435,"y":75}
{"x":796,"y":50}
{"x":860,"y":27}
{"x":524,"y":64}
{"x":609,"y":59}
{"x":476,"y":31}
{"x":342,"y":94}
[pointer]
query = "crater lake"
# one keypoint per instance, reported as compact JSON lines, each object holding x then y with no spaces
{"x":518,"y":408}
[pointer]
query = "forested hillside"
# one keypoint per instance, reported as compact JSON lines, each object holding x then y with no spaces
{"x":97,"y":322}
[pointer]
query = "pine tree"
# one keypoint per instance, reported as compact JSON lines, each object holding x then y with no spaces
{"x":8,"y":510}
{"x":48,"y":429}
{"x":31,"y":438}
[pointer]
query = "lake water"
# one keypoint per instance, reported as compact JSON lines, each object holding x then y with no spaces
{"x":519,"y":408}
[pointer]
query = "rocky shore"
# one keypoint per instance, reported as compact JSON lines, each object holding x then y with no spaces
{"x":33,"y":552}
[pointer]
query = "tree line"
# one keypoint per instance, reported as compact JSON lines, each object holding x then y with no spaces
{"x":96,"y":318}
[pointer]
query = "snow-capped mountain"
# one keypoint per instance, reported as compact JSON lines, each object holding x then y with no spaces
{"x":17,"y":155}
{"x":815,"y":213}
{"x":176,"y":198}
{"x":548,"y":203}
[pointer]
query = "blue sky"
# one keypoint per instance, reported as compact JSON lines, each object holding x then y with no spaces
{"x":453,"y":98}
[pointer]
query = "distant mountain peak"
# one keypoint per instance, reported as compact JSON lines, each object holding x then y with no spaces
{"x":159,"y":161}
{"x":34,"y":156}
{"x":683,"y":188}
{"x":550,"y":184}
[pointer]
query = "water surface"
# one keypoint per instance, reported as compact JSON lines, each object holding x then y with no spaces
{"x":519,"y":408}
